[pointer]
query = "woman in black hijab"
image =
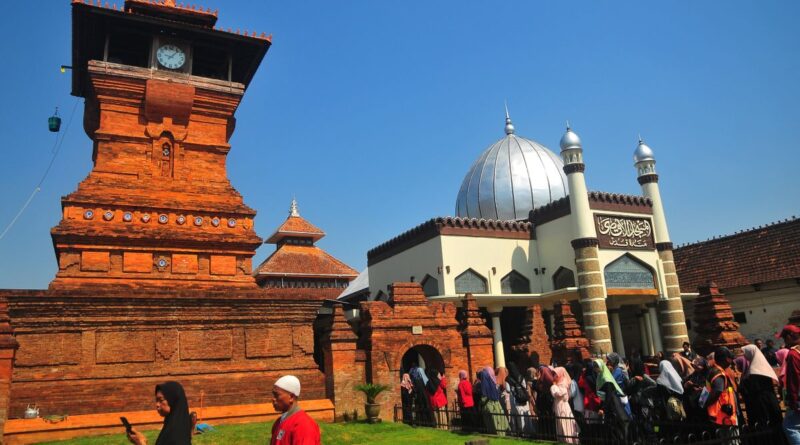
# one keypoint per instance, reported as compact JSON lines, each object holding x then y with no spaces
{"x":172,"y":405}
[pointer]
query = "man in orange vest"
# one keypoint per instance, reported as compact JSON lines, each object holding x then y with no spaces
{"x":721,"y":402}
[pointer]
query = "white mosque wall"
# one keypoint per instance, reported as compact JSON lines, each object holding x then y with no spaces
{"x":424,"y":258}
{"x":765,"y":310}
{"x":482,"y":254}
{"x":553,"y":242}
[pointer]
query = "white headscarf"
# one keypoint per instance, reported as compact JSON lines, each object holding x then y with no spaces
{"x":669,"y":378}
{"x":758,"y":363}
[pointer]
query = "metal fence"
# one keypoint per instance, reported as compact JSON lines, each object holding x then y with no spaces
{"x":592,"y":431}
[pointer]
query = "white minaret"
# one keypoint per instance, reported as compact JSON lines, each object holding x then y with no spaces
{"x":645,"y":164}
{"x":572,"y":154}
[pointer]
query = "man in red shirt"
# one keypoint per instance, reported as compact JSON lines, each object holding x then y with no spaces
{"x":294,"y":427}
{"x":791,"y":423}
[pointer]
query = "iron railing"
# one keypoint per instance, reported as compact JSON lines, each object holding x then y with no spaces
{"x":593,"y":431}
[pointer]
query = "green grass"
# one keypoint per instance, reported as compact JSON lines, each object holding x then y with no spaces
{"x":386,"y":433}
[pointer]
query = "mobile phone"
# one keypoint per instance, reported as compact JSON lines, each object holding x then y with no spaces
{"x":127,"y":424}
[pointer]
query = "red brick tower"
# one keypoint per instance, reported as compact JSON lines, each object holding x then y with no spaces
{"x":161,"y":85}
{"x":567,"y":334}
{"x":715,"y":325}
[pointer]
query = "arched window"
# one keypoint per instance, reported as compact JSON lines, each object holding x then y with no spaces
{"x":628,"y":272}
{"x":430,"y":286}
{"x":471,"y":282}
{"x":515,"y":283}
{"x":563,"y":278}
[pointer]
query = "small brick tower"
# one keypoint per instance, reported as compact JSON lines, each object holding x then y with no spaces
{"x":567,"y":334}
{"x":714,"y":321}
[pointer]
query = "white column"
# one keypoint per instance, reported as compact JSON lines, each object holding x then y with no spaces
{"x":497,"y":334}
{"x":619,"y":345}
{"x":651,"y":309}
{"x":648,"y":324}
{"x":644,"y":342}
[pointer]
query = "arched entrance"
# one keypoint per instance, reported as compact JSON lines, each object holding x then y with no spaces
{"x":424,"y":356}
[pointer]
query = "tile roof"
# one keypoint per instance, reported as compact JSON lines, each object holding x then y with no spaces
{"x":756,"y":256}
{"x":304,"y":261}
{"x":296,"y":226}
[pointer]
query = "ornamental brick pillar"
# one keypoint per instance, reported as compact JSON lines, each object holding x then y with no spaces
{"x":715,"y":324}
{"x":670,"y":308}
{"x":567,"y":334}
{"x":344,"y":366}
{"x":8,"y":348}
{"x":532,"y":339}
{"x":476,"y":336}
{"x":592,"y":295}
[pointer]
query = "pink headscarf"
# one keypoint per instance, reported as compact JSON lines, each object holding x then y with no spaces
{"x":562,"y":378}
{"x":406,"y":383}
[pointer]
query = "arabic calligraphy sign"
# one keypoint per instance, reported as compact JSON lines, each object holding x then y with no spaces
{"x":620,"y":232}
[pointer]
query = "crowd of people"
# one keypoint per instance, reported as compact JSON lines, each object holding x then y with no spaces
{"x":623,"y":400}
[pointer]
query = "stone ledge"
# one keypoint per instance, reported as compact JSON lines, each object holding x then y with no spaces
{"x":29,"y":431}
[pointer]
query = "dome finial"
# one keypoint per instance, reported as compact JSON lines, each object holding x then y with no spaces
{"x":641,"y":141}
{"x":509,"y":125}
{"x":293,"y":210}
{"x":570,"y":140}
{"x":569,"y":128}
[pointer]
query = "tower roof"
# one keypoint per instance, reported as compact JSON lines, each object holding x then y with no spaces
{"x":295,"y":226}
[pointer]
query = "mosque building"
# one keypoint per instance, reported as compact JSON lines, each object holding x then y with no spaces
{"x":529,"y":238}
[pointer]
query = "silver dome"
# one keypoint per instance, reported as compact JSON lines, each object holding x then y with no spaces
{"x":570,"y":140}
{"x":511,"y":178}
{"x":643,"y":153}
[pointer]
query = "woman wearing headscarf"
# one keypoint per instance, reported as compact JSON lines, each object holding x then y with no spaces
{"x":544,"y":401}
{"x":692,"y":388}
{"x":614,"y":362}
{"x":780,"y":357}
{"x":422,"y":405}
{"x":436,"y":386}
{"x":615,"y":407}
{"x":172,"y":405}
{"x":640,"y":391}
{"x":504,"y":388}
{"x":466,"y":403}
{"x":591,"y":402}
{"x":682,"y":365}
{"x":566,"y":428}
{"x":407,"y":398}
{"x":757,"y":387}
{"x":521,"y":398}
{"x":670,"y":390}
{"x":493,"y":418}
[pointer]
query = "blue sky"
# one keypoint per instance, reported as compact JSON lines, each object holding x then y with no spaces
{"x":371,"y":112}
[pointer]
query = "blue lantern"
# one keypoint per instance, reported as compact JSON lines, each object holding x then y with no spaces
{"x":54,"y":122}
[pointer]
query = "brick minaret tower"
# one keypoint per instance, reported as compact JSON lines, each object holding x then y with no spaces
{"x":161,"y":85}
{"x":585,"y":243}
{"x":670,"y":306}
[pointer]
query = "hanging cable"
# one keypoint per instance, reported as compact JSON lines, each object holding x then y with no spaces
{"x":56,"y":148}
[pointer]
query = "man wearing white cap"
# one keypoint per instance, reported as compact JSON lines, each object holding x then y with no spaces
{"x":294,"y":427}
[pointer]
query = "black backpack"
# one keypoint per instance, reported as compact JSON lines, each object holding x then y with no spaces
{"x":519,"y":392}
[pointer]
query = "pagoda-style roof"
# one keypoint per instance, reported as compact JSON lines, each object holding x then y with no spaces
{"x":297,"y":256}
{"x":296,"y":227}
{"x":304,"y":261}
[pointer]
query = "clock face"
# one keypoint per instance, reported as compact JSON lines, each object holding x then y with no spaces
{"x":170,"y":56}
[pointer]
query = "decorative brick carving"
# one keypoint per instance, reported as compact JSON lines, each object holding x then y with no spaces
{"x":533,"y":339}
{"x":184,"y":263}
{"x":223,"y":265}
{"x":137,"y":262}
{"x":48,"y":349}
{"x":714,"y":322}
{"x":268,"y":342}
{"x":124,"y":347}
{"x":205,"y":344}
{"x":303,"y":339}
{"x":567,"y":334}
{"x":166,"y":343}
{"x":94,"y":261}
{"x":8,"y":347}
